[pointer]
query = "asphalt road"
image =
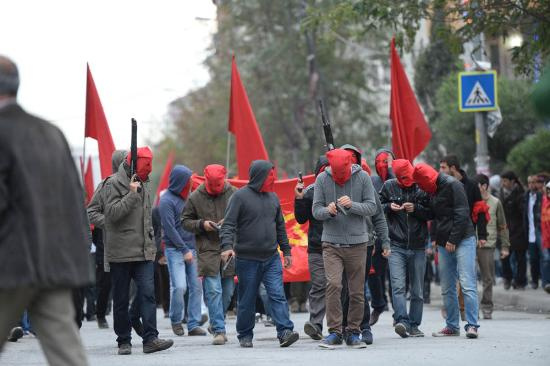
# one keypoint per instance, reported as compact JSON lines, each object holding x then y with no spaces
{"x":511,"y":338}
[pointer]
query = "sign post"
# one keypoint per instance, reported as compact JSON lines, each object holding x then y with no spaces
{"x":477,"y":92}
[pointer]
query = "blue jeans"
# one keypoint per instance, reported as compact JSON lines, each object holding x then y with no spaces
{"x":251,"y":273}
{"x":402,"y":261}
{"x":183,"y":276}
{"x":218,"y":292}
{"x":461,"y":266}
{"x":143,"y":275}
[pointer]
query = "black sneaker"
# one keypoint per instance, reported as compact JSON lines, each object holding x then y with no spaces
{"x":366,"y":337}
{"x":125,"y":349}
{"x":331,"y":341}
{"x":15,"y":334}
{"x":401,"y":329}
{"x":102,"y":323}
{"x":353,"y":340}
{"x":204,"y":319}
{"x":246,"y":343}
{"x":313,"y":331}
{"x":288,"y":337}
{"x":178,"y":329}
{"x":198,"y":331}
{"x":374,"y":316}
{"x":157,"y":345}
{"x":415,"y":332}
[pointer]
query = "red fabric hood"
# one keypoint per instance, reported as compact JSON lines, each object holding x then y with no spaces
{"x":366,"y":166}
{"x":381,"y":165}
{"x":144,"y":162}
{"x":426,"y":177}
{"x":269,"y":182}
{"x":404,"y":171}
{"x":340,"y":162}
{"x":214,"y":175}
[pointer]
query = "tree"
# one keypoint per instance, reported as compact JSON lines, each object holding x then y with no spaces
{"x":469,"y":19}
{"x":456,"y":130}
{"x":285,"y":69}
{"x":531,"y":155}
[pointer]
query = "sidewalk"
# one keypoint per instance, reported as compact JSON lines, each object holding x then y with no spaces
{"x":528,"y":300}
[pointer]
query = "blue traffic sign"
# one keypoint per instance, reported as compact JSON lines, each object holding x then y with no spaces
{"x":477,"y":91}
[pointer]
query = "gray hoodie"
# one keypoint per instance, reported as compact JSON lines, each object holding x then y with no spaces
{"x":351,"y":228}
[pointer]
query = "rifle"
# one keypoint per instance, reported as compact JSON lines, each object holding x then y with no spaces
{"x":133,"y":153}
{"x":326,"y":127}
{"x":330,"y":143}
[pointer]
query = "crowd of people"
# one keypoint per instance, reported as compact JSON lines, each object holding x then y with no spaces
{"x":200,"y":252}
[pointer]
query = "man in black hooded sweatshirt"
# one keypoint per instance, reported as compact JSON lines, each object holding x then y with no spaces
{"x":252,"y":229}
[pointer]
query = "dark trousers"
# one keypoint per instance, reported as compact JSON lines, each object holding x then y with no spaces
{"x":143,"y":275}
{"x":428,"y":278}
{"x":103,"y":289}
{"x":520,"y":275}
{"x":78,"y":303}
{"x":251,"y":273}
{"x":535,"y":259}
{"x":377,"y":281}
{"x":162,"y":286}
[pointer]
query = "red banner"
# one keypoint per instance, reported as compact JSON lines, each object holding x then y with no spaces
{"x":297,"y":233}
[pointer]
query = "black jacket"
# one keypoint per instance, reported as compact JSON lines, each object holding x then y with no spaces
{"x":254,"y":220}
{"x":44,"y":232}
{"x":474,"y":195}
{"x":514,"y":211}
{"x":408,"y":231}
{"x":452,"y":213}
{"x":303,"y":214}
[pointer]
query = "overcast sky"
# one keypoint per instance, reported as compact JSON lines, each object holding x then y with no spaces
{"x":143,"y":54}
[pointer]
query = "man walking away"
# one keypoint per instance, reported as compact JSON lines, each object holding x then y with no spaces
{"x":131,"y":251}
{"x":44,"y":233}
{"x":252,"y":229}
{"x":345,"y":237}
{"x":532,"y":204}
{"x":203,"y":215}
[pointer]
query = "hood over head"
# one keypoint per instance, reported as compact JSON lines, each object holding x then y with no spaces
{"x":381,"y":162}
{"x":144,"y":162}
{"x":426,"y":177}
{"x":214,"y":175}
{"x":258,"y":172}
{"x":357,"y":153}
{"x":117,"y":158}
{"x":404,"y":171}
{"x":340,"y":161}
{"x":322,"y":163}
{"x":365,"y":166}
{"x":180,"y":180}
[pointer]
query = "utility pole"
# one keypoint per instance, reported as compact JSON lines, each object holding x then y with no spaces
{"x":482,"y":148}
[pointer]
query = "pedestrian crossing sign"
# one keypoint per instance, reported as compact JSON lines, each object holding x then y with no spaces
{"x":477,"y":91}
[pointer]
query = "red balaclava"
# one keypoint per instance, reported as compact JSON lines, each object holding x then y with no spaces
{"x":186,"y":189}
{"x":144,"y":162}
{"x":269,"y":182}
{"x":366,"y":166}
{"x":381,"y":164}
{"x":215,"y":179}
{"x":404,"y":171}
{"x":426,"y":177}
{"x":340,"y":164}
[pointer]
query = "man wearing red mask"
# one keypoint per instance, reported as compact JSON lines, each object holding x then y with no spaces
{"x":202,"y":216}
{"x":130,"y":250}
{"x":252,"y":230}
{"x":181,"y":254}
{"x":407,"y":210}
{"x":454,"y":235}
{"x":343,"y":199}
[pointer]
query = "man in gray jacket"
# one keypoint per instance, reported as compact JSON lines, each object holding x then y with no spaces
{"x":343,"y":198}
{"x":130,"y":250}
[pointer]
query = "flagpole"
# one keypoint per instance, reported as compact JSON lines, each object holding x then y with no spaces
{"x":228,"y":152}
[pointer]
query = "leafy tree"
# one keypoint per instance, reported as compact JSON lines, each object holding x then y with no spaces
{"x":469,"y":19}
{"x":531,"y":155}
{"x":456,"y":130}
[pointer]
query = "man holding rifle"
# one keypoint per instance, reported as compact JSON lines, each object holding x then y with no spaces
{"x":130,"y":248}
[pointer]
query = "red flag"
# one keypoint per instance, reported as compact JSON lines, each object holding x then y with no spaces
{"x":242,"y":123}
{"x":97,"y":126}
{"x":165,"y":178}
{"x":410,"y":132}
{"x":89,"y":181}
